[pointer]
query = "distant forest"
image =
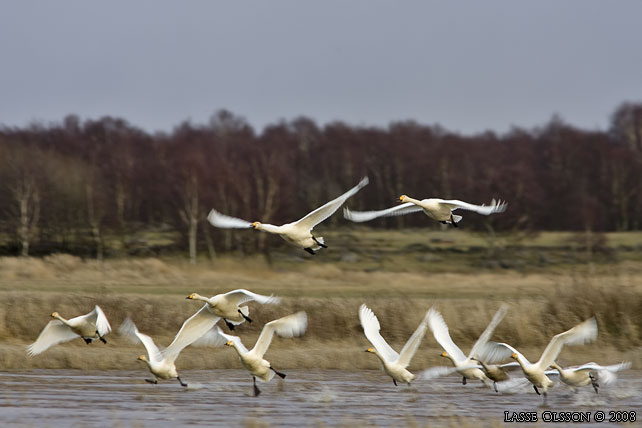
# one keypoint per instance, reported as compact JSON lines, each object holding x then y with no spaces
{"x":77,"y":186}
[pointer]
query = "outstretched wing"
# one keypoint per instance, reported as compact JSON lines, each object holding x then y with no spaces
{"x":223,"y":221}
{"x":486,"y":335}
{"x":413,"y":343}
{"x":55,"y":332}
{"x":494,"y":207}
{"x":361,"y":216}
{"x":240,"y":296}
{"x":129,"y":330}
{"x":325,"y":211}
{"x":102,"y":324}
{"x":371,"y":328}
{"x":288,"y":326}
{"x":191,"y":330}
{"x":581,"y":333}
{"x":440,"y":331}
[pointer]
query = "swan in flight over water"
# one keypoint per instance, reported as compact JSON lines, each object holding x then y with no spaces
{"x":590,"y":373}
{"x":298,"y":233}
{"x":90,"y":327}
{"x":437,"y":209}
{"x":394,"y":365}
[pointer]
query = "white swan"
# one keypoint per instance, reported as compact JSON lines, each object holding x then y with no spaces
{"x":297,"y":233}
{"x":90,"y":327}
{"x":226,"y":306}
{"x":394,"y":365}
{"x":536,"y":372}
{"x":465,"y":366}
{"x":289,"y":326}
{"x":437,"y":209}
{"x":160,"y":364}
{"x":590,"y":373}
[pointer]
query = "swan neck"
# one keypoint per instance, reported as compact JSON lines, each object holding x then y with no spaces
{"x":413,"y":200}
{"x":64,"y":321}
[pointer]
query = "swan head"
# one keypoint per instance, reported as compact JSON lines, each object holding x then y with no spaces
{"x":403,"y":198}
{"x":229,"y":343}
{"x":514,"y":356}
{"x":55,"y":315}
{"x":191,"y":296}
{"x":445,"y":354}
{"x":141,"y":358}
{"x":371,"y":350}
{"x":256,"y":225}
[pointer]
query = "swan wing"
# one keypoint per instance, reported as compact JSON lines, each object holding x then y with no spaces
{"x":129,"y":330}
{"x":288,"y":326}
{"x":223,"y":221}
{"x":371,"y":328}
{"x":192,"y":329}
{"x":102,"y":324}
{"x":240,"y":296}
{"x":55,"y":332}
{"x":498,"y":354}
{"x":494,"y":207}
{"x":361,"y":216}
{"x":235,"y":339}
{"x":325,"y":211}
{"x":435,"y":372}
{"x":581,"y":333}
{"x":485,"y":336}
{"x":606,"y":374}
{"x":440,"y":331}
{"x":413,"y":343}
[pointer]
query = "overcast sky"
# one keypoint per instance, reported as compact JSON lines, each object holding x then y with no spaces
{"x":469,"y":66}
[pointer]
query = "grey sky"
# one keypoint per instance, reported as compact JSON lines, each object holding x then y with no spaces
{"x":469,"y":66}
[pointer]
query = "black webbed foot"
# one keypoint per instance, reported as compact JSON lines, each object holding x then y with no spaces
{"x":463,"y":380}
{"x":87,"y":340}
{"x":180,"y":381}
{"x":152,"y":381}
{"x":281,"y":375}
{"x":229,"y":324}
{"x":322,"y":245}
{"x":310,"y":250}
{"x":395,"y":382}
{"x":536,"y":390}
{"x":245,"y":316}
{"x":102,"y":339}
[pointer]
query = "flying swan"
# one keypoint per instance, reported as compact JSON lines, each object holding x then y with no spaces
{"x":437,"y":209}
{"x":394,"y":365}
{"x":90,"y":327}
{"x":288,"y":326}
{"x":226,"y":306}
{"x":536,"y":372}
{"x":590,"y":373}
{"x":298,"y":233}
{"x":467,"y":367}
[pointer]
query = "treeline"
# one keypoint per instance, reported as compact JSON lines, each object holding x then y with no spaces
{"x":87,"y":187}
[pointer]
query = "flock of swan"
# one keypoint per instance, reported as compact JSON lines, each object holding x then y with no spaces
{"x":485,"y":361}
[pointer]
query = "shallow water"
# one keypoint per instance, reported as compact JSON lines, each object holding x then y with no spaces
{"x":66,"y":398}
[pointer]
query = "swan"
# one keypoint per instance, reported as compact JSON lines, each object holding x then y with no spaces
{"x":288,"y":326}
{"x":536,"y":372}
{"x":160,"y":363}
{"x":437,"y":209}
{"x":90,"y":327}
{"x":495,"y":372}
{"x":226,"y":306}
{"x":589,"y":373}
{"x":298,"y":233}
{"x":465,"y":366}
{"x":394,"y":365}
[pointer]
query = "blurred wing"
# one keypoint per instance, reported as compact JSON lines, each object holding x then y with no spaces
{"x":413,"y":343}
{"x":210,"y":339}
{"x":192,"y":329}
{"x":129,"y":330}
{"x":440,"y":331}
{"x":241,"y":296}
{"x":361,"y":216}
{"x":494,"y":207}
{"x":514,"y":386}
{"x":498,"y":351}
{"x":102,"y":324}
{"x":435,"y":372}
{"x":223,"y":221}
{"x":55,"y":332}
{"x":289,"y":326}
{"x":486,"y":335}
{"x":231,"y":338}
{"x":371,"y":328}
{"x":321,"y":213}
{"x":494,"y":353}
{"x":580,"y":334}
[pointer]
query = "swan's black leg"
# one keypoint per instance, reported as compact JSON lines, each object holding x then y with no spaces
{"x":453,"y":221}
{"x":87,"y":340}
{"x":395,"y":382}
{"x":281,"y":375}
{"x":102,"y":339}
{"x":535,"y":388}
{"x":463,"y":380}
{"x":180,"y":381}
{"x":245,"y":316}
{"x":310,"y":250}
{"x":153,"y":381}
{"x":257,"y":391}
{"x":594,"y":382}
{"x":495,"y":386}
{"x":320,"y":244}
{"x":229,"y":324}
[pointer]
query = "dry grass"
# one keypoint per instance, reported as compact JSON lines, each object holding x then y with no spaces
{"x":152,"y":291}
